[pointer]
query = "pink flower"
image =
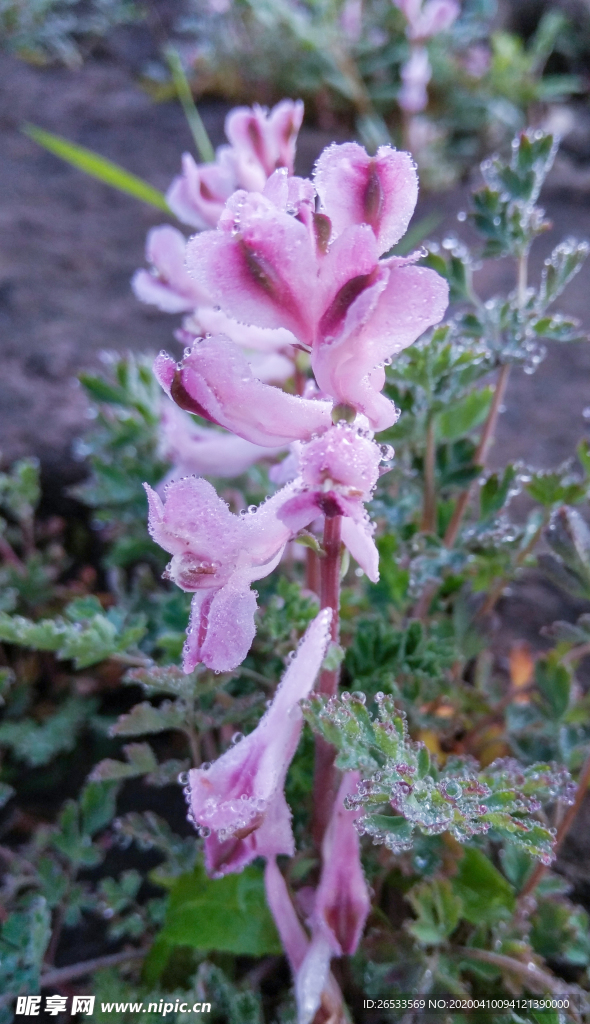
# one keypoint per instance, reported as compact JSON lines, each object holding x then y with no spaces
{"x":216,"y":555}
{"x":267,"y":267}
{"x":380,"y":191}
{"x":341,"y":906}
{"x":215,"y":381}
{"x":428,"y":19}
{"x":167,"y":285}
{"x":263,"y":141}
{"x":197,"y":196}
{"x":416,"y":74}
{"x":337,"y":473}
{"x":239,"y":800}
{"x":203,"y":451}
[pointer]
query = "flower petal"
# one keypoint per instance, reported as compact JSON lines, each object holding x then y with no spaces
{"x":197,"y":196}
{"x":260,"y":268}
{"x":387,"y":317}
{"x":357,"y":536}
{"x":217,"y":379}
{"x":168,"y":287}
{"x":230,"y":626}
{"x":205,"y":452}
{"x":380,"y":191}
{"x":342,"y":900}
{"x":273,"y":837}
{"x":235,"y":793}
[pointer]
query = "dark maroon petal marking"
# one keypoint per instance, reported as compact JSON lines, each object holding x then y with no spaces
{"x":336,"y":312}
{"x":181,"y":396}
{"x":373,"y":198}
{"x":329,"y":505}
{"x":323,"y":230}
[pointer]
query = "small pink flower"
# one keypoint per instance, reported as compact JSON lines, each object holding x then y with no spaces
{"x":263,"y":140}
{"x":340,"y":909}
{"x":197,"y":196}
{"x":426,"y":20}
{"x":215,"y":381}
{"x":416,"y":74}
{"x":217,"y":555}
{"x":239,"y":800}
{"x":167,"y":285}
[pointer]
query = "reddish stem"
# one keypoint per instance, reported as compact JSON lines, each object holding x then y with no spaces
{"x":325,"y":773}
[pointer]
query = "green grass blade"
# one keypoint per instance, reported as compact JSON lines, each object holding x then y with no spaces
{"x":183,"y":91}
{"x":97,"y":167}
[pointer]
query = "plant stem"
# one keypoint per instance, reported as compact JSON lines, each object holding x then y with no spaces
{"x":525,"y":971}
{"x":489,"y":430}
{"x":183,"y":91}
{"x":479,"y":459}
{"x":325,"y":775}
{"x":52,"y":979}
{"x":566,"y":823}
{"x":428,"y":524}
{"x":9,"y":555}
{"x":496,"y":591}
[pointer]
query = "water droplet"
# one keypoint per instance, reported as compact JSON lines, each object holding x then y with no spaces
{"x":206,"y":766}
{"x":237,"y":736}
{"x":182,"y":778}
{"x":461,"y":216}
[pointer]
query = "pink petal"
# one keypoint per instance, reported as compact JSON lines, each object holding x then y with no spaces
{"x":436,"y":16}
{"x":383,"y":320}
{"x":273,"y":837}
{"x":260,"y":268}
{"x":197,"y":629}
{"x":380,"y":191}
{"x":415,"y":74}
{"x":209,"y":320}
{"x":198,"y":195}
{"x":202,"y":451}
{"x":263,"y":142}
{"x":164,"y":370}
{"x":342,"y":901}
{"x":230,"y":626}
{"x":193,"y":519}
{"x":312,"y":978}
{"x":168,"y":286}
{"x":292,"y":933}
{"x":236,"y":792}
{"x":357,"y":536}
{"x":217,"y":379}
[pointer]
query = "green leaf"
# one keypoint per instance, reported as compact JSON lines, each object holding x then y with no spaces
{"x":464,"y":415}
{"x":554,"y":681}
{"x":140,"y":758}
{"x":563,"y":264}
{"x":145,"y":718}
{"x":486,"y":895}
{"x":438,"y":909}
{"x":97,"y":807}
{"x":228,"y":914}
{"x":97,"y":167}
{"x":561,"y":932}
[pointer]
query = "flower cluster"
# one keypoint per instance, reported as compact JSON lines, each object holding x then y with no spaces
{"x":261,"y":143}
{"x":305,"y":258}
{"x":305,"y":262}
